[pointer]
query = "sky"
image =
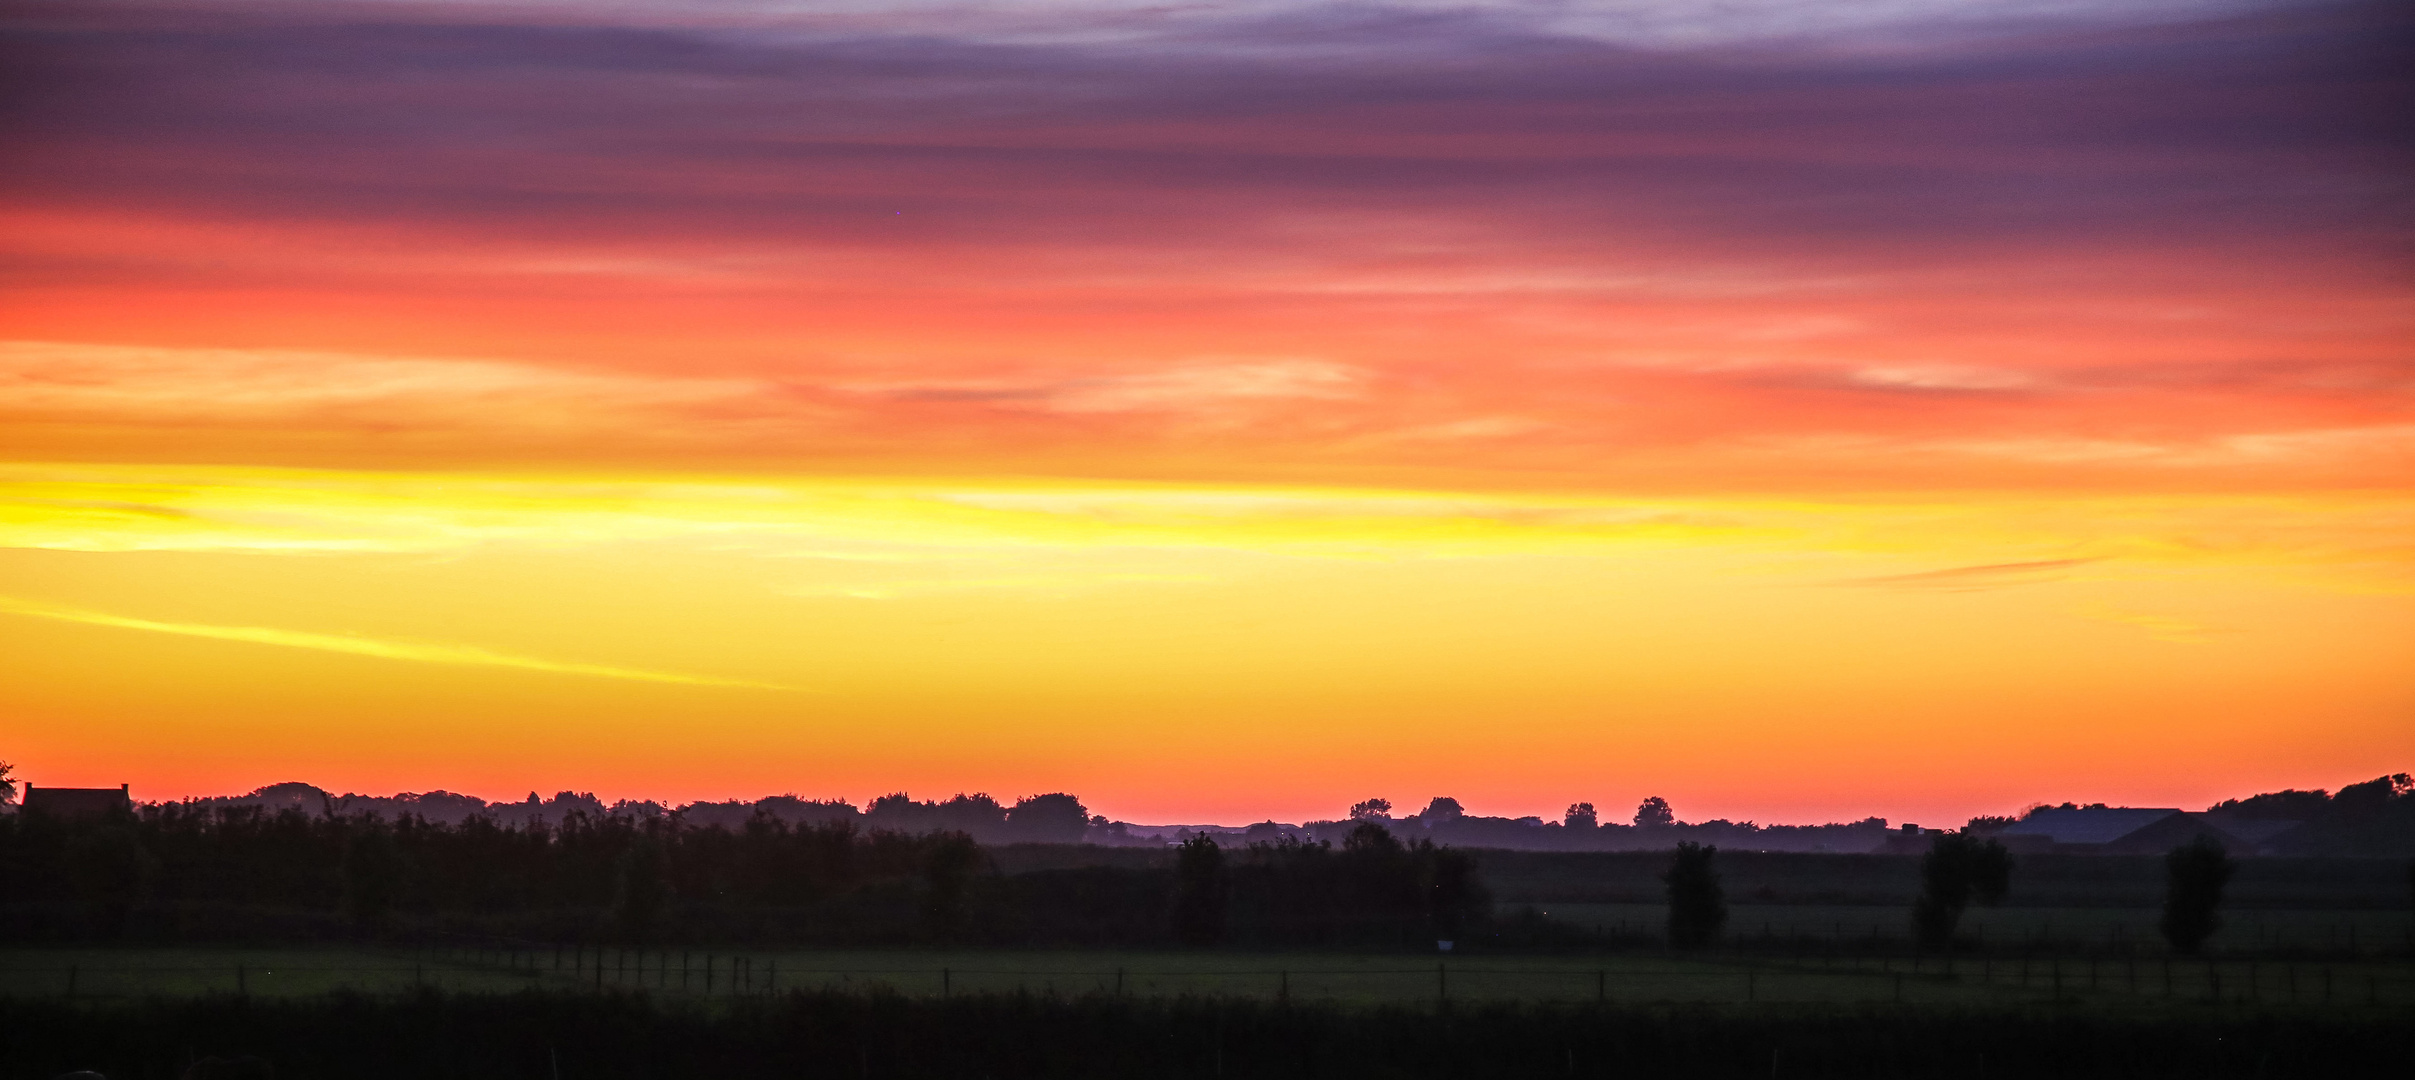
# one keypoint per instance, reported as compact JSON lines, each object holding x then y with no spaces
{"x":1802,"y":411}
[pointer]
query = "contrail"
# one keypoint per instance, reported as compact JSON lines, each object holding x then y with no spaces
{"x":422,"y":651}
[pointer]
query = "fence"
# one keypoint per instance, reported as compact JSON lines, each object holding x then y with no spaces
{"x":1372,"y":980}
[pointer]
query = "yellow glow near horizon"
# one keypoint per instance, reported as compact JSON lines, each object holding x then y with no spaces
{"x":1056,"y":634}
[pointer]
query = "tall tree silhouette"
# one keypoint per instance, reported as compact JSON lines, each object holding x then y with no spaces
{"x":1960,"y":867}
{"x":1055,"y":818}
{"x":372,"y":870}
{"x":1453,"y":895}
{"x":947,"y":878}
{"x":1654,"y":813}
{"x":110,"y":871}
{"x":1202,"y":891}
{"x":1370,"y":808}
{"x":2195,"y":873}
{"x":1580,"y":816}
{"x":1697,"y":904}
{"x":642,"y":890}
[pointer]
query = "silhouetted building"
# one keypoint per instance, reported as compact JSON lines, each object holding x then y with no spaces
{"x":2086,"y":824}
{"x":2116,"y":830}
{"x":79,"y":802}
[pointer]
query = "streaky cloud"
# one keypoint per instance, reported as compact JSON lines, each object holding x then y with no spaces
{"x":1987,"y":576}
{"x":426,"y":652}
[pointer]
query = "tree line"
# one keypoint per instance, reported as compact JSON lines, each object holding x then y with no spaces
{"x":185,"y":872}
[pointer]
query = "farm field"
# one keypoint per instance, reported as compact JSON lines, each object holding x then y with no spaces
{"x":2386,"y":986}
{"x":2069,"y":928}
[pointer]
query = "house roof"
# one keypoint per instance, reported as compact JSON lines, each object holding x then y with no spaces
{"x":2087,"y":825}
{"x":76,"y":802}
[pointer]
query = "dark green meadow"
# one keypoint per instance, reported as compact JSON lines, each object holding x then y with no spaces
{"x":338,"y":947}
{"x":543,"y":1035}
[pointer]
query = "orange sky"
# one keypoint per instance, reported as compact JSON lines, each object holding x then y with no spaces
{"x":1235,"y":414}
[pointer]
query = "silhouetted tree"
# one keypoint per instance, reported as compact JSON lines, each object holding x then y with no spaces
{"x":372,"y":870}
{"x":110,"y":871}
{"x":1202,"y":891}
{"x":2195,"y":873}
{"x":1371,"y":808}
{"x":1697,"y":905}
{"x":1581,"y":816}
{"x":1055,"y":818}
{"x":1440,"y":809}
{"x":1453,"y":896}
{"x":1959,"y":868}
{"x":947,"y":875}
{"x":8,"y":784}
{"x":1371,"y":840}
{"x":641,"y":890}
{"x":1654,"y":813}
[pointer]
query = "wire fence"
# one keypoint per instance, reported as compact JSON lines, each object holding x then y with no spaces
{"x":715,"y":974}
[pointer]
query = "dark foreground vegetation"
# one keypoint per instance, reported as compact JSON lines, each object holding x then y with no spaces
{"x":198,"y":874}
{"x":183,"y":874}
{"x":576,"y":1037}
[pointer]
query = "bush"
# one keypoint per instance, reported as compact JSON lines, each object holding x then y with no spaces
{"x":2195,"y":873}
{"x":1959,"y":868}
{"x":1697,"y":904}
{"x":1202,"y":891}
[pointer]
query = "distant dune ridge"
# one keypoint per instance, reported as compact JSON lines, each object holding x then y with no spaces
{"x":2376,"y":817}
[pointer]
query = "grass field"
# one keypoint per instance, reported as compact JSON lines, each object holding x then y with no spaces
{"x":2387,"y":987}
{"x":2072,"y":929}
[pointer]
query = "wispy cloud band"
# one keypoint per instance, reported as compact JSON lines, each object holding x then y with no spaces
{"x":425,"y":652}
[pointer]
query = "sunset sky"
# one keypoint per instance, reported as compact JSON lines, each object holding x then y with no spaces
{"x":1801,"y":410}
